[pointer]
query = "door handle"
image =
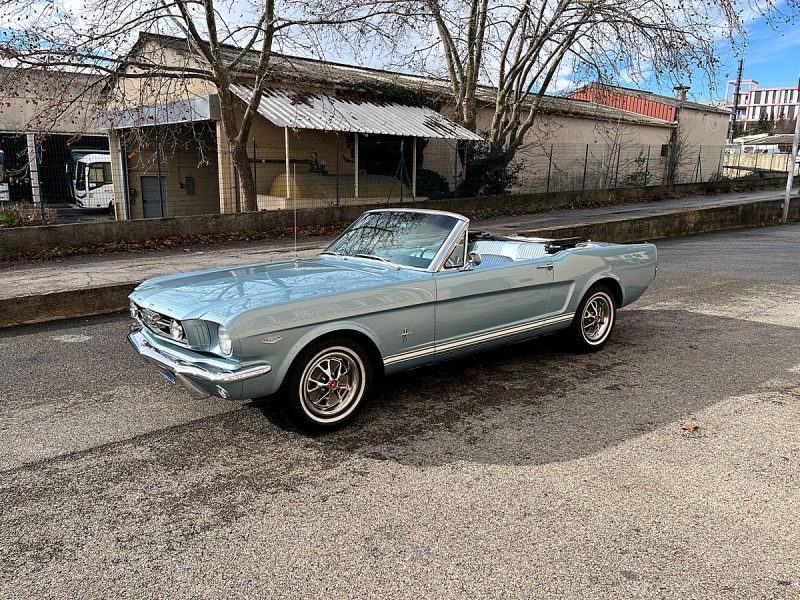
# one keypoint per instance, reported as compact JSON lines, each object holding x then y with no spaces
{"x":548,"y":267}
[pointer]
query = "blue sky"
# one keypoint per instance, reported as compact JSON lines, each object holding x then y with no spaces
{"x":771,"y":57}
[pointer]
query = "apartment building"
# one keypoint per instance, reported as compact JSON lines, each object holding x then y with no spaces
{"x":776,"y":102}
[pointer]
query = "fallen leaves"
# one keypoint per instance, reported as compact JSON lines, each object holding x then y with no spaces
{"x":795,"y":392}
{"x":690,"y":426}
{"x":185,"y":242}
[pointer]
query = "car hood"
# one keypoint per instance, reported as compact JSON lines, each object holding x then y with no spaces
{"x":222,"y":294}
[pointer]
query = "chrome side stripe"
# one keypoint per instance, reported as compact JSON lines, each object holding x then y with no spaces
{"x":478,"y":339}
{"x":396,"y":358}
{"x":501,"y":333}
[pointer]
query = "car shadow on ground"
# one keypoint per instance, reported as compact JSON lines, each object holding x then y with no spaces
{"x":537,"y":402}
{"x":529,"y":404}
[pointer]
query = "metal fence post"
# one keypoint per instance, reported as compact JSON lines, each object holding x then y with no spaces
{"x":719,"y":166}
{"x":42,"y":211}
{"x":585,"y":165}
{"x":158,"y":167}
{"x":455,"y":170}
{"x":254,"y":167}
{"x":549,"y":166}
{"x":698,"y":172}
{"x":337,"y":170}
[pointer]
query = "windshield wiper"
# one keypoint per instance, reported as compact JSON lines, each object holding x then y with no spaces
{"x":373,"y":257}
{"x":331,"y":252}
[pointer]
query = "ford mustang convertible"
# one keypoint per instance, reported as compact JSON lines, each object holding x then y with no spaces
{"x":400,"y":288}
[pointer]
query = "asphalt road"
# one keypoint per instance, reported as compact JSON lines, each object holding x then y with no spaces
{"x":529,"y":472}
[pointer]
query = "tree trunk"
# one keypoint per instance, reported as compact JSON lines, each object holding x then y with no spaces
{"x":237,"y":137}
{"x":243,"y":167}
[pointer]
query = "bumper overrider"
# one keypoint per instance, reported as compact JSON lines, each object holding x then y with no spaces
{"x":199,"y":378}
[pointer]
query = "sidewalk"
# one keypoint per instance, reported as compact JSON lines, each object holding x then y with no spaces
{"x":92,"y":284}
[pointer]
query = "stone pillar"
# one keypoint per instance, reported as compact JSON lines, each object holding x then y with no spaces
{"x":33,"y":168}
{"x":119,"y":176}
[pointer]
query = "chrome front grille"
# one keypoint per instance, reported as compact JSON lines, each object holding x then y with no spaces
{"x":158,"y":323}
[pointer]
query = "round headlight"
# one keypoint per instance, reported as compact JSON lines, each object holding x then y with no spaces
{"x":225,"y":343}
{"x":175,"y":330}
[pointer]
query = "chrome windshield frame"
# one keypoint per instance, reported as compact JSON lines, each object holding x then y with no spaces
{"x":461,"y":225}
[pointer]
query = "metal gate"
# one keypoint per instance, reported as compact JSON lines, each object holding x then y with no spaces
{"x":153,"y":198}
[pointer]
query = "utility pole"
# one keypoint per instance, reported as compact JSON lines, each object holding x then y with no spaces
{"x":792,"y":166}
{"x":736,"y":88}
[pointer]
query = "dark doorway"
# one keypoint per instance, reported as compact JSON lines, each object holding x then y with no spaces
{"x":153,"y":198}
{"x":56,"y":164}
{"x":15,"y":148}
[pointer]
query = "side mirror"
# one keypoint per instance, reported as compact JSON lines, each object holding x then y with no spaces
{"x":473,"y":260}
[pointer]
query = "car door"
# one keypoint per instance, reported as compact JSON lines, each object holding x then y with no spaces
{"x":489,"y":303}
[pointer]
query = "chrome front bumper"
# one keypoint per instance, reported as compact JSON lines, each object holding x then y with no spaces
{"x":191,"y":375}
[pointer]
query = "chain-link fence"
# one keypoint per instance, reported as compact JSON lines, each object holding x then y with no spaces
{"x":55,"y":179}
{"x":576,"y":167}
{"x":178,"y":171}
{"x":764,"y":164}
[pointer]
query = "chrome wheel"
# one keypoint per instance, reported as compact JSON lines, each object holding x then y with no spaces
{"x":332,"y":384}
{"x":597,"y":318}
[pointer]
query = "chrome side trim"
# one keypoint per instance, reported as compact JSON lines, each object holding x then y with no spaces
{"x":396,"y":358}
{"x":501,"y":333}
{"x":153,"y":354}
{"x":477,"y":339}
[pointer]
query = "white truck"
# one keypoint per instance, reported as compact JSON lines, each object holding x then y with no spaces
{"x":94,"y":187}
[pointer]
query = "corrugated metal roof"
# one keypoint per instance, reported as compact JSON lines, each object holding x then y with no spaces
{"x":772,"y":140}
{"x":306,"y":72}
{"x":313,"y":110}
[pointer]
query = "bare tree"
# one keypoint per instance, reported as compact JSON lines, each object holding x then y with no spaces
{"x":227,"y":40}
{"x":525,"y":49}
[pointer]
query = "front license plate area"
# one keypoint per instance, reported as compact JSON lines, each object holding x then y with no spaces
{"x":169,"y":377}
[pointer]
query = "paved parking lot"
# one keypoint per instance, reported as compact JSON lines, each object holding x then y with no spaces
{"x":528,"y":472}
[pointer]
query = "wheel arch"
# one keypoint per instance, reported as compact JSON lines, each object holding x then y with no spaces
{"x":612,"y":283}
{"x":347,"y":330}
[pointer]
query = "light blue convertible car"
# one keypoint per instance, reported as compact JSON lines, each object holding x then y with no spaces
{"x":398,"y":289}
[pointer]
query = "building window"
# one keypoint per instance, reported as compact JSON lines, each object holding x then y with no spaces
{"x":664,"y":149}
{"x":757,"y":99}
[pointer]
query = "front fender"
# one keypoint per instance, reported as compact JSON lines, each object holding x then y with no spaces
{"x":314,"y":333}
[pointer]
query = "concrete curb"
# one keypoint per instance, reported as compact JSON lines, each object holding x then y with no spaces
{"x":64,"y":305}
{"x":114,"y":298}
{"x":676,"y":224}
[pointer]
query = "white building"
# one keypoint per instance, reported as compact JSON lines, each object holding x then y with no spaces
{"x":776,"y":102}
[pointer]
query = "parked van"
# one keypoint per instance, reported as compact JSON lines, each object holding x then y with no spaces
{"x":93,"y":185}
{"x":75,"y":154}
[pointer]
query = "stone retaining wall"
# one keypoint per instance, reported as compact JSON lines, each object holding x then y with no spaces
{"x":24,"y":240}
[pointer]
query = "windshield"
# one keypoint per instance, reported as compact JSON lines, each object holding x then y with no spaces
{"x":80,"y":183}
{"x":404,"y":238}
